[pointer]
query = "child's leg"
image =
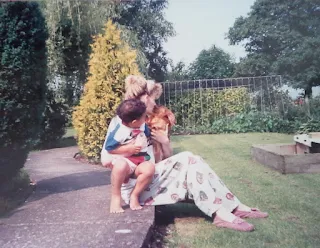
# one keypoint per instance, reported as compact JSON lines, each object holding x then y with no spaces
{"x":144,"y":174}
{"x":120,"y":172}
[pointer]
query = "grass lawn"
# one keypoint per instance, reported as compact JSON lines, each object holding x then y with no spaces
{"x":68,"y":139}
{"x":293,"y":201}
{"x":70,"y":132}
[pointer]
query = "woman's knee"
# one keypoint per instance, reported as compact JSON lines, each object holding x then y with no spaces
{"x":186,"y":154}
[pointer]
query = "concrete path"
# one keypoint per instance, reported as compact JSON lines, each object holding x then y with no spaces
{"x":70,"y":208}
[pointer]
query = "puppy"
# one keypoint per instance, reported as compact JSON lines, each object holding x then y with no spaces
{"x":161,"y":119}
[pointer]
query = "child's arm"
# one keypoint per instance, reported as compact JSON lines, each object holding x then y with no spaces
{"x":114,"y":143}
{"x":126,"y":149}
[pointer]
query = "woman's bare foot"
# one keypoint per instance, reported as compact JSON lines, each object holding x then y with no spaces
{"x":134,"y":203}
{"x":115,"y":205}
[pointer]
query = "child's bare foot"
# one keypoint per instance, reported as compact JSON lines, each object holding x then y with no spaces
{"x":134,"y":203}
{"x":115,"y":205}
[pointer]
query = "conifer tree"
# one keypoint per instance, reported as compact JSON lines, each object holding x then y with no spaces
{"x":111,"y":61}
{"x":23,"y":66}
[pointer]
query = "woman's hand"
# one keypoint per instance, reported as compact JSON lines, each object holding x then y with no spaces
{"x":160,"y":136}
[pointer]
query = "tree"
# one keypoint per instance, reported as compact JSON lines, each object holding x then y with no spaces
{"x":71,"y":25}
{"x":211,"y":64}
{"x":146,"y":19}
{"x":111,"y":61}
{"x":23,"y":66}
{"x":178,"y":72}
{"x":281,"y":37}
{"x":53,"y":124}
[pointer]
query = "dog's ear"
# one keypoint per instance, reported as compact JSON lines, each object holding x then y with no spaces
{"x":166,"y":113}
{"x":171,"y":117}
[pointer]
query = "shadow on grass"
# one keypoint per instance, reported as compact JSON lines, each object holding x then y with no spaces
{"x":166,"y":215}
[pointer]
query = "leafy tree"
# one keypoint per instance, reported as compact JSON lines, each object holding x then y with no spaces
{"x":111,"y":61}
{"x":71,"y":25}
{"x":281,"y":37}
{"x":23,"y":66}
{"x":212,"y":63}
{"x":178,"y":72}
{"x":146,"y":19}
{"x":53,"y":125}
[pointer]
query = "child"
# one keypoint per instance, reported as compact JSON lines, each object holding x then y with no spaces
{"x":131,"y":130}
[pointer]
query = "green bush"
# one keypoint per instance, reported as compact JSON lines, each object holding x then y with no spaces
{"x":111,"y":61}
{"x":311,"y":125}
{"x":202,"y":107}
{"x":53,"y":125}
{"x":22,"y":82}
{"x":252,"y":122}
{"x":232,"y":111}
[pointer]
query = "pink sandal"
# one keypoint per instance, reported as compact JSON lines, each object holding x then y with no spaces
{"x":238,"y":224}
{"x":254,"y":213}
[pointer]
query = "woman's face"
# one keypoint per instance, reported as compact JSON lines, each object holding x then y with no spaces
{"x":149,"y":102}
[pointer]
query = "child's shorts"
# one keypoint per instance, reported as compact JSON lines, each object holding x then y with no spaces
{"x":139,"y":158}
{"x":108,"y":160}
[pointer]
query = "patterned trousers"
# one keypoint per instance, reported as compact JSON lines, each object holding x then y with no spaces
{"x":185,"y":176}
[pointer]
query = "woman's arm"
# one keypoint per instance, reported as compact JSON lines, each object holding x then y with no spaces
{"x":166,"y":149}
{"x":162,"y":137}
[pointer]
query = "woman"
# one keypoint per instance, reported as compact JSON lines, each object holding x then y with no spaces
{"x":181,"y":176}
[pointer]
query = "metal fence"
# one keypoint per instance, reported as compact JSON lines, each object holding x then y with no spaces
{"x":197,"y":104}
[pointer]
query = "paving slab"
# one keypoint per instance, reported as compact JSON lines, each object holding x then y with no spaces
{"x":70,"y":208}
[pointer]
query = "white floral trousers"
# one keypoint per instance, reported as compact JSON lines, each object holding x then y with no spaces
{"x":185,"y":176}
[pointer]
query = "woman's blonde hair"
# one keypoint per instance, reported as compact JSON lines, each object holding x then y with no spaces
{"x":137,"y":86}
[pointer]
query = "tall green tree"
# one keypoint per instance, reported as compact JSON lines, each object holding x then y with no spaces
{"x":23,"y":66}
{"x":71,"y":25}
{"x":212,"y":63}
{"x":146,"y":19}
{"x":281,"y":37}
{"x":111,"y":61}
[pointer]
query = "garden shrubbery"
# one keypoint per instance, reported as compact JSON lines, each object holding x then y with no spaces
{"x":22,"y":83}
{"x":111,"y":61}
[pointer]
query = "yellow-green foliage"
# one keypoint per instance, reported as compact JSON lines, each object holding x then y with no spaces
{"x":203,"y":106}
{"x":111,"y":61}
{"x":231,"y":100}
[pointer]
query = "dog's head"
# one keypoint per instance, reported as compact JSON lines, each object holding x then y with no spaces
{"x":161,"y":118}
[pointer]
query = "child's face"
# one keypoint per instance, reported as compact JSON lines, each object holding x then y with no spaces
{"x":137,"y":123}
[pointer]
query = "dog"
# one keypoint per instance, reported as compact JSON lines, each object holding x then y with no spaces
{"x":161,"y":119}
